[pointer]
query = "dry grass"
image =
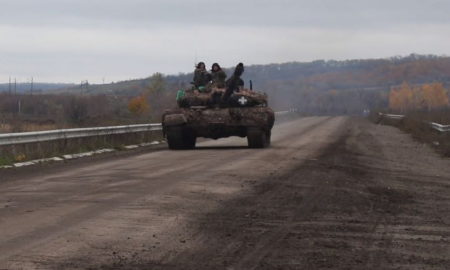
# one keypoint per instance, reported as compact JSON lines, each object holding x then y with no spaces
{"x":23,"y":152}
{"x":417,"y":124}
{"x":439,"y":116}
{"x":8,"y":128}
{"x":5,"y":128}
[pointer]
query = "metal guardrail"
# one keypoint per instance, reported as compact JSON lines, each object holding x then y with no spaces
{"x":392,"y":116}
{"x":292,"y":110}
{"x":281,"y":112}
{"x":436,"y":126}
{"x":439,"y":127}
{"x":61,"y":134}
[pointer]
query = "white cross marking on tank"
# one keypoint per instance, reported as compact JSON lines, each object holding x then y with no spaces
{"x":242,"y":100}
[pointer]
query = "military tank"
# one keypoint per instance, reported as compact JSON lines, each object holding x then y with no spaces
{"x":204,"y":114}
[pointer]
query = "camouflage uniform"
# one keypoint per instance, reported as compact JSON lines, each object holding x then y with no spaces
{"x":201,"y":77}
{"x":234,"y":83}
{"x":218,"y":78}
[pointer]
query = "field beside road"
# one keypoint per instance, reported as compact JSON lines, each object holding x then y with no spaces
{"x":330,"y":193}
{"x":418,"y":124}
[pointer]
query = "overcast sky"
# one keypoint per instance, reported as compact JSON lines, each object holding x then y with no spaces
{"x":73,"y":40}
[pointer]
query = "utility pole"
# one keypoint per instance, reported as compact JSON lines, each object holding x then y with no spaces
{"x":81,"y":87}
{"x":84,"y":84}
{"x":15,"y":86}
{"x":31,"y":87}
{"x":9,"y":86}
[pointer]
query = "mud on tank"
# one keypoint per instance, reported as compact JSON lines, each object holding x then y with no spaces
{"x":203,"y":114}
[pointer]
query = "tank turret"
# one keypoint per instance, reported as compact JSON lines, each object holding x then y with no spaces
{"x":212,"y":112}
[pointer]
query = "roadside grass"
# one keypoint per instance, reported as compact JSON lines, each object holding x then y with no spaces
{"x":417,"y":124}
{"x":6,"y":161}
{"x":26,"y":126}
{"x":32,"y":151}
{"x":438,"y":116}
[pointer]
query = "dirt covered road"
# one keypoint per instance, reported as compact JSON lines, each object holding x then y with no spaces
{"x":331,"y":193}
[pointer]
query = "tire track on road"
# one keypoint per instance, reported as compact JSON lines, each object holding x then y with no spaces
{"x":76,"y":190}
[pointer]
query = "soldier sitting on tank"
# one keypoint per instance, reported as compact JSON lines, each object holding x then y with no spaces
{"x":218,"y":76}
{"x":201,"y":77}
{"x":234,"y":83}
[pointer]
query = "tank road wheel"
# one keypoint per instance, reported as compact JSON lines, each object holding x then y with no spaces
{"x":257,"y":137}
{"x":174,"y":137}
{"x":268,"y":137}
{"x":189,"y":139}
{"x":180,"y":138}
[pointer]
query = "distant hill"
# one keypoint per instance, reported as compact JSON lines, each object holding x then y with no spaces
{"x":305,"y":84}
{"x":318,"y":87}
{"x":320,"y":74}
{"x":37,"y":87}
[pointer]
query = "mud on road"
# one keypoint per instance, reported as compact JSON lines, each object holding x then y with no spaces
{"x":343,"y":194}
{"x":356,"y":206}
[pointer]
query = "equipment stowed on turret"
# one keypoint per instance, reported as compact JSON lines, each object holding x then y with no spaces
{"x":215,"y":113}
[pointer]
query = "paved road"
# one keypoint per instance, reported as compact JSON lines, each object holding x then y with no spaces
{"x":336,"y":193}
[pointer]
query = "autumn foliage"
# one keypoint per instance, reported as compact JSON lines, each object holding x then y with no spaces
{"x":138,"y":105}
{"x":425,"y":97}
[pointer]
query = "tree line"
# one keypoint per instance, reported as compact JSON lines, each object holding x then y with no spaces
{"x":427,"y":97}
{"x":319,"y":87}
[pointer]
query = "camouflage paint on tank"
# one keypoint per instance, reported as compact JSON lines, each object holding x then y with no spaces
{"x":204,"y":116}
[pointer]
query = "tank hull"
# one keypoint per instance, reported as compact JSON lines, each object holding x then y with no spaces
{"x":218,"y":123}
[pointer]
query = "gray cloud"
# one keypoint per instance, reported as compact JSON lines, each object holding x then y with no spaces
{"x":286,"y":13}
{"x":74,"y":39}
